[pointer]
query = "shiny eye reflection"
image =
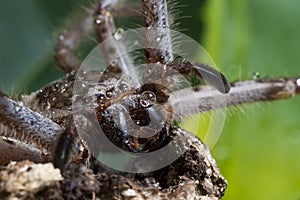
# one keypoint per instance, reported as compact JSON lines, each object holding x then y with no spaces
{"x":147,"y":99}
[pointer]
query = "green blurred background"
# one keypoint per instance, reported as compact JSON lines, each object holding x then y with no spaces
{"x":258,"y":151}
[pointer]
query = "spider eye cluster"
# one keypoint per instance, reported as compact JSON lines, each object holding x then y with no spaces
{"x":131,"y":118}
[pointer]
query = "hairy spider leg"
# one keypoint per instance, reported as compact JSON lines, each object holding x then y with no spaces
{"x":158,"y":37}
{"x":157,"y":33}
{"x":13,"y":150}
{"x":114,"y":51}
{"x":202,"y":71}
{"x":241,"y":92}
{"x":65,"y":58}
{"x":28,"y":126}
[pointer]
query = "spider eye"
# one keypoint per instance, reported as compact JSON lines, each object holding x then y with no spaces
{"x":140,"y":104}
{"x":147,"y":99}
{"x":138,"y":107}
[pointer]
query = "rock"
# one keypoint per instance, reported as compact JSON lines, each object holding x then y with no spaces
{"x":194,"y":175}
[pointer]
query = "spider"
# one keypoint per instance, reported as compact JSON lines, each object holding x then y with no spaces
{"x":45,"y":120}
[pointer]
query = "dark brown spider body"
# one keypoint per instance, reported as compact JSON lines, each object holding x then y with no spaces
{"x":109,"y":97}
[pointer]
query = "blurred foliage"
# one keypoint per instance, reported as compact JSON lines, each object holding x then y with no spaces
{"x":258,"y":151}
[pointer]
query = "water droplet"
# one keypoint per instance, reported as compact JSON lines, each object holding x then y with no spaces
{"x":158,"y":39}
{"x":99,"y":19}
{"x":154,"y":6}
{"x":122,"y":87}
{"x":17,"y":108}
{"x":136,"y":43}
{"x":101,"y":97}
{"x":83,"y":85}
{"x":63,"y":90}
{"x":114,"y":63}
{"x":129,"y":193}
{"x":54,"y":98}
{"x":109,"y":94}
{"x":147,"y":99}
{"x":298,"y":82}
{"x":119,"y":34}
{"x":256,"y":75}
{"x":61,"y":37}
